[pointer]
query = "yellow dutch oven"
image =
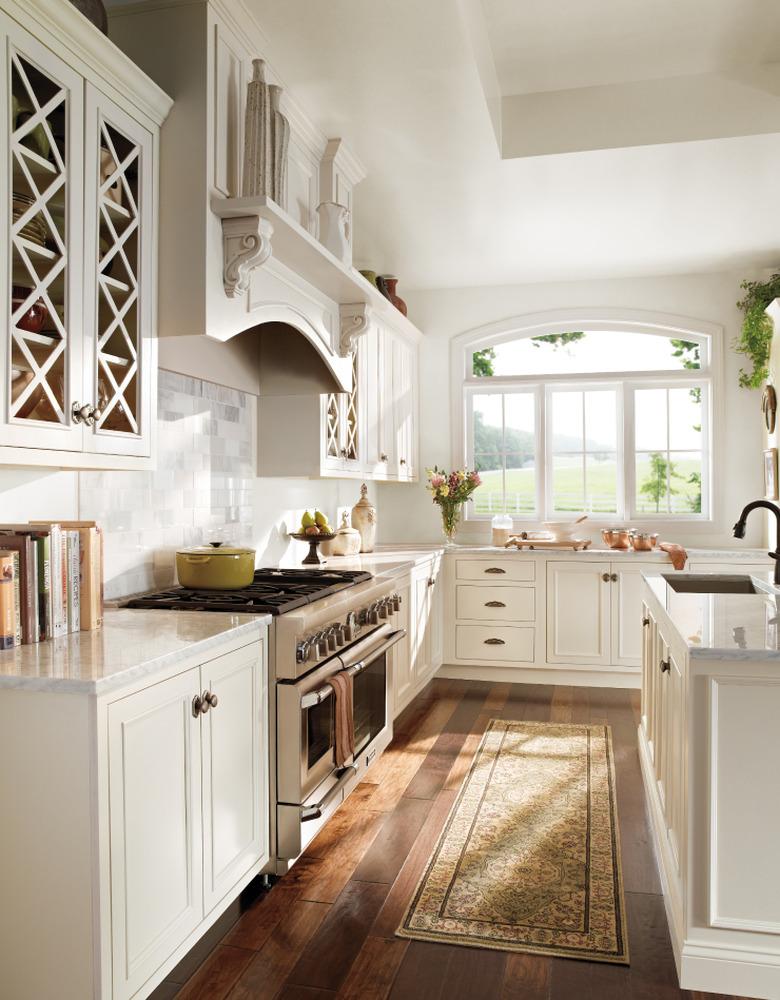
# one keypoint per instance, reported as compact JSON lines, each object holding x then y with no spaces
{"x":215,"y":567}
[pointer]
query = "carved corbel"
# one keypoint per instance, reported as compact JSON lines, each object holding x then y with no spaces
{"x":246,"y":244}
{"x":355,"y":319}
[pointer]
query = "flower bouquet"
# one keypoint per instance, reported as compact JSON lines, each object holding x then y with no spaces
{"x":450,"y":490}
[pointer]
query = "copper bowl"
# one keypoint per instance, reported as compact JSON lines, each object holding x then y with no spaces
{"x":616,"y":538}
{"x":643,"y":541}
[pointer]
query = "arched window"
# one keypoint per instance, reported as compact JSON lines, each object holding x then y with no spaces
{"x":608,"y":415}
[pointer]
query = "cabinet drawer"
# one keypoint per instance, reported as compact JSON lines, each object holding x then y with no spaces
{"x":494,"y":642}
{"x":496,"y":604}
{"x":495,"y":570}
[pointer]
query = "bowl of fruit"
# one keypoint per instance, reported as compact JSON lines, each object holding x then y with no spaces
{"x":314,"y":530}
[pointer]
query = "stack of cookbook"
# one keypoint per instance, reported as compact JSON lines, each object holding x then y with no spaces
{"x":51,"y":580}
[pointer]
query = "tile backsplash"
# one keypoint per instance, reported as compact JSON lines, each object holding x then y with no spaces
{"x":202,"y":489}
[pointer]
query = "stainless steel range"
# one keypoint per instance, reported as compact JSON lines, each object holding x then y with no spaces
{"x":325,"y":621}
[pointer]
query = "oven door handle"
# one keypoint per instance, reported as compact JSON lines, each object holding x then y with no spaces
{"x":354,"y":667}
{"x":357,"y":657}
{"x":315,"y":811}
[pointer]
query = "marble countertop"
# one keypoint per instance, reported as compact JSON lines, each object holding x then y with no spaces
{"x":724,"y":626}
{"x":131,"y":644}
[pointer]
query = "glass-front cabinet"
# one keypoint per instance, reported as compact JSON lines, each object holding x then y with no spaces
{"x":78,"y":236}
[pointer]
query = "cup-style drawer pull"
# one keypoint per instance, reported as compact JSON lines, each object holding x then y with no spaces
{"x":495,"y":569}
{"x":665,"y":666}
{"x":495,"y":604}
{"x":495,"y":642}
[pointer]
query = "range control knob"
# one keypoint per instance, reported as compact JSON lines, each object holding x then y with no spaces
{"x":396,"y":599}
{"x":339,"y":635}
{"x":373,"y":615}
{"x":350,"y":627}
{"x":383,"y":609}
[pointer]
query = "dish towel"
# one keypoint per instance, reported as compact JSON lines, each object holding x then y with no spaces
{"x":676,"y":553}
{"x":344,"y":738}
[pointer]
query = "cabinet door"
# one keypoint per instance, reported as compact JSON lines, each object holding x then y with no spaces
{"x":235,"y":787}
{"x":119,"y":256}
{"x":649,"y":675}
{"x":671,"y":737}
{"x":436,"y":617}
{"x":626,"y":597}
{"x":42,"y":254}
{"x":344,"y":423}
{"x":388,"y":445}
{"x":402,"y":654}
{"x":154,"y":827}
{"x":403,"y":396}
{"x":578,"y":612}
{"x":419,"y":630}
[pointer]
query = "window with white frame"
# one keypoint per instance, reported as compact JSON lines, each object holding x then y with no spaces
{"x":614,"y":423}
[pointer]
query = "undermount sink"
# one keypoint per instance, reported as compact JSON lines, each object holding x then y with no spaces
{"x":711,"y":583}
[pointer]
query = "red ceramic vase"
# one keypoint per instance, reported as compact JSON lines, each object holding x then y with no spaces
{"x":395,"y":298}
{"x":33,"y":318}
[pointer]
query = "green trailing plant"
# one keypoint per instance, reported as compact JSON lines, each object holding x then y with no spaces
{"x":756,"y":337}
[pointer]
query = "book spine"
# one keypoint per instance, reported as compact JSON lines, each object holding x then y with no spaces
{"x":29,"y":597}
{"x":58,"y":593}
{"x":17,"y":599}
{"x":35,"y":617}
{"x":45,"y":611}
{"x":74,"y":582}
{"x":7,"y":602}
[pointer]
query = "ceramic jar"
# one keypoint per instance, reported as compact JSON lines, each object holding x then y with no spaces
{"x":334,"y":229}
{"x":391,"y":282}
{"x":347,"y":540}
{"x":364,"y":519}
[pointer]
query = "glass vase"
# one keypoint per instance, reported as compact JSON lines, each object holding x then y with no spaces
{"x":450,"y":520}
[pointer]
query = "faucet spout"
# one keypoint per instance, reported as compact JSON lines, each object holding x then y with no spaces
{"x":739,"y":530}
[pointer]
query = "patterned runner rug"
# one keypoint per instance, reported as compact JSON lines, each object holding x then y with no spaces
{"x":529,"y":858}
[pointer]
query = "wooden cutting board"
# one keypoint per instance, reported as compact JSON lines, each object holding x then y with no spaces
{"x":575,"y":544}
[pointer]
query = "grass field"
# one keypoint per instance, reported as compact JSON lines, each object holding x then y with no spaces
{"x":568,"y":490}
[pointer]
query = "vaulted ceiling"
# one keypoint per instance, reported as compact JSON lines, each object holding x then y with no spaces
{"x":527,"y":140}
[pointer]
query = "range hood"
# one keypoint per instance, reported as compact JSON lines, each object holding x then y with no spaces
{"x":247,"y":293}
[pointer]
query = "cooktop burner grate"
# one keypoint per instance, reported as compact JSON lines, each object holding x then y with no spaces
{"x":274,"y":592}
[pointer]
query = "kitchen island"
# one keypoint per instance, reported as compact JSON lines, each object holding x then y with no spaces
{"x":709,"y":747}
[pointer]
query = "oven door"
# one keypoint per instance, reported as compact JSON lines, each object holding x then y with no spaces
{"x":309,"y":785}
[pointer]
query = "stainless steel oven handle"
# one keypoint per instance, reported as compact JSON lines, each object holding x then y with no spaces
{"x":362,"y":651}
{"x":316,"y":697}
{"x":315,"y":811}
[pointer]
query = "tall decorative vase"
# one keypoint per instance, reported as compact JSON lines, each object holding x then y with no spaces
{"x":391,"y":282}
{"x":364,"y":519}
{"x":450,"y":519}
{"x":334,"y":229}
{"x":381,"y":284}
{"x":280,"y":141}
{"x":258,"y":173}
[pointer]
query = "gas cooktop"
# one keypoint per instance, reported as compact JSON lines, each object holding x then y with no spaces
{"x":274,"y":592}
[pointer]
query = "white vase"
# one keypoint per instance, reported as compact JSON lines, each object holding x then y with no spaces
{"x":364,"y":519}
{"x":334,"y":230}
{"x":258,"y":172}
{"x":280,"y":140}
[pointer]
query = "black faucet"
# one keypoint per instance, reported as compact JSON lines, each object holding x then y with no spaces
{"x":739,"y":530}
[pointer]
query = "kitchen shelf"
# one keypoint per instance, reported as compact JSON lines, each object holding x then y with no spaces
{"x":295,"y":248}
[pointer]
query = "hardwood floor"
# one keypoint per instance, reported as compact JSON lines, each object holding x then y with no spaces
{"x":327,"y":929}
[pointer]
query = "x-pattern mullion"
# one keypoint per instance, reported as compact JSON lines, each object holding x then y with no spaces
{"x":39,"y":375}
{"x":118,"y":250}
{"x":119,"y":393}
{"x":118,"y":322}
{"x":120,"y":170}
{"x":40,"y":117}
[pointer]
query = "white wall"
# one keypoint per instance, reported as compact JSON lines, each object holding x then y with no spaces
{"x":407,"y":512}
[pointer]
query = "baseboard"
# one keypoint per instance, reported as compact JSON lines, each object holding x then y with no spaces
{"x":714,"y":969}
{"x":609,"y":677}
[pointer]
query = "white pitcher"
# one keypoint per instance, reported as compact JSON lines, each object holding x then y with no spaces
{"x":334,"y":230}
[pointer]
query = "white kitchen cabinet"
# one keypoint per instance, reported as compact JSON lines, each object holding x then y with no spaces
{"x":420,"y":653}
{"x":155,"y":827}
{"x":594,"y":613}
{"x":78,"y":381}
{"x":188,"y":806}
{"x":398,"y":394}
{"x":235,"y":834}
{"x":578,"y":612}
{"x":139,"y":818}
{"x":403,"y":686}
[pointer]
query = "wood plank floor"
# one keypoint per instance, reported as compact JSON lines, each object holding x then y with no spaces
{"x":326,"y":929}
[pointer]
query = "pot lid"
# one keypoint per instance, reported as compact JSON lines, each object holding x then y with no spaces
{"x":216,"y":549}
{"x":345,"y":528}
{"x":364,"y":501}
